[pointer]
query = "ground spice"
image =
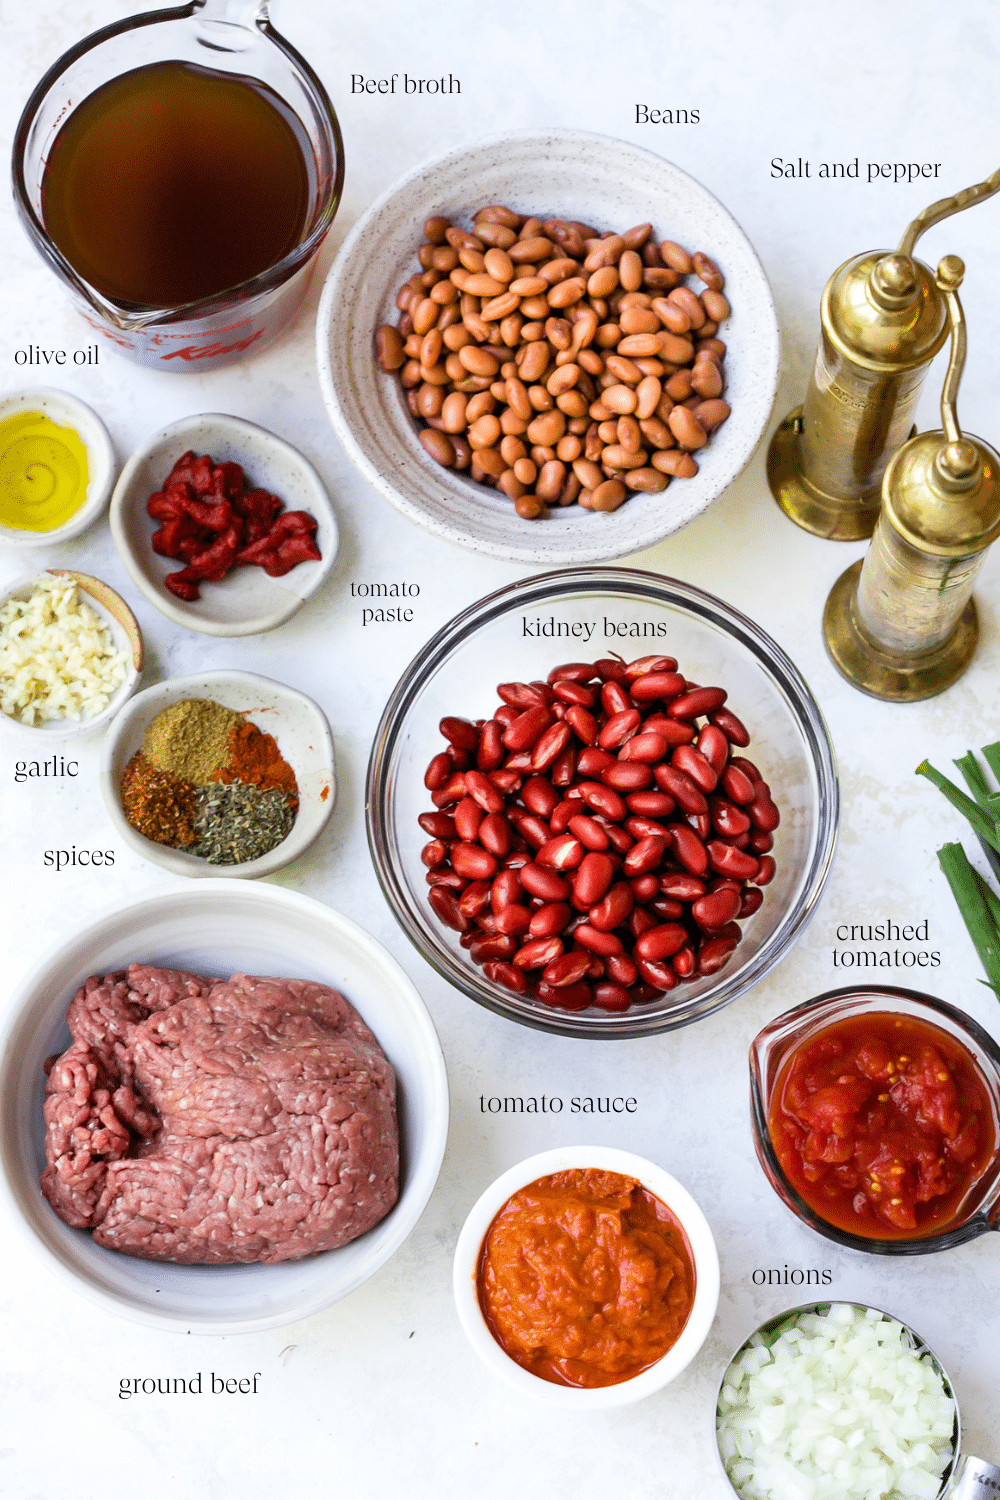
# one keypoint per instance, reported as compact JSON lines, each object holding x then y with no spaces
{"x":236,"y":823}
{"x":255,"y":760}
{"x":190,"y":739}
{"x":158,"y":805}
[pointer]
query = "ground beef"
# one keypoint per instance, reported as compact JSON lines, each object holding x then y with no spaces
{"x":211,"y":1121}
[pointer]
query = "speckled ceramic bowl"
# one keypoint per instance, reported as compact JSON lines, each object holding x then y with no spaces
{"x":246,"y":601}
{"x":297,"y":723}
{"x":567,"y":173}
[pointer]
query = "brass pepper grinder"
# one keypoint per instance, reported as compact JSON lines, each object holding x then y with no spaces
{"x":901,"y":624}
{"x":883,"y":320}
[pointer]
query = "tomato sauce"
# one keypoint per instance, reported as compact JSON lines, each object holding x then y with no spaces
{"x":585,"y":1278}
{"x":883,"y":1124}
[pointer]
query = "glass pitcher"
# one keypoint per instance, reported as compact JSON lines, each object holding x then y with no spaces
{"x":225,"y":36}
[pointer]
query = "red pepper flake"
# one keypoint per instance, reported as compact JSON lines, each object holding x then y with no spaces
{"x":211,"y":520}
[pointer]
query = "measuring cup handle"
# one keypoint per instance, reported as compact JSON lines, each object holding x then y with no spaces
{"x":235,"y":12}
{"x":976,"y":1480}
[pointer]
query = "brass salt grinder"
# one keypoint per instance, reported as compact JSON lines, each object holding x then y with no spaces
{"x":901,"y":624}
{"x":883,"y":320}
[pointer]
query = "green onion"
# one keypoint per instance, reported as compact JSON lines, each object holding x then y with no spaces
{"x":988,"y":801}
{"x":977,"y":912}
{"x":985,"y":826}
{"x":991,"y":755}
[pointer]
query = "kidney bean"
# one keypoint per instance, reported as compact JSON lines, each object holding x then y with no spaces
{"x":447,"y":878}
{"x":460,"y":733}
{"x":563,"y":768}
{"x":727,"y":820}
{"x":731,"y":861}
{"x":583,"y":723}
{"x":506,"y":889}
{"x":481,"y":790}
{"x":499,"y":972}
{"x":659,"y":975}
{"x":569,"y":997}
{"x":735,"y":732}
{"x":593,"y":879}
{"x":655,"y":685}
{"x":468,"y":815}
{"x":701,"y":823}
{"x":438,"y":825}
{"x":644,"y":856}
{"x":752,"y":900}
{"x":714,"y":746}
{"x":611,"y":997}
{"x":452,"y":791}
{"x":435,"y":853}
{"x":647,"y":748}
{"x":761,"y":843}
{"x":603,"y":799}
{"x":539,"y":797}
{"x":691,"y":705}
{"x":620,"y":840}
{"x":573,"y":671}
{"x":748,"y":769}
{"x":738,"y":786}
{"x":538,"y":952}
{"x":475,"y":899}
{"x":550,"y":746}
{"x":615,"y":700}
{"x":506,"y":780}
{"x":546,"y":884}
{"x":716,"y":909}
{"x":438,"y":772}
{"x":763,"y":813}
{"x":649,"y":804}
{"x":681,"y":887}
{"x":446,"y":909}
{"x":645,"y":828}
{"x":627,"y":775}
{"x":490,"y":750}
{"x":659,"y":942}
{"x":595,"y":940}
{"x":561,"y":853}
{"x":513,"y":921}
{"x":714,"y":954}
{"x":688,"y":849}
{"x":548,"y":920}
{"x":472,"y":861}
{"x":567,"y":969}
{"x":618,"y":728}
{"x":562,"y":813}
{"x":688,"y":796}
{"x":765,"y":870}
{"x":526,"y":729}
{"x":645,"y":888}
{"x":613,"y":909}
{"x":459,"y":758}
{"x":590,"y":834}
{"x":592,"y":761}
{"x":495,"y":834}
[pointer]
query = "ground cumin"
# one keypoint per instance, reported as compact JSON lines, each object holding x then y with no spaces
{"x":255,"y":760}
{"x":190,"y":739}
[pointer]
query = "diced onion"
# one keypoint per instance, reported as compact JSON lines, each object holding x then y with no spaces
{"x":838,"y":1406}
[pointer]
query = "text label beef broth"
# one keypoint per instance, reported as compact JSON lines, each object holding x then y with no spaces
{"x":209,"y":1121}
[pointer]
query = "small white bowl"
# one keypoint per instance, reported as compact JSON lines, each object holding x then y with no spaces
{"x":247,"y":601}
{"x":124,"y":628}
{"x":662,"y":1186}
{"x":224,"y":928}
{"x":610,"y":184}
{"x":65,"y":411}
{"x":295,"y":721}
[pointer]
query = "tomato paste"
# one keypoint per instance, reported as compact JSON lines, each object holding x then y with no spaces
{"x":585,"y":1278}
{"x":883,"y":1124}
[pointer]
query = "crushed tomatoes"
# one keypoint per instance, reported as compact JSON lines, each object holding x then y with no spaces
{"x":883,"y":1124}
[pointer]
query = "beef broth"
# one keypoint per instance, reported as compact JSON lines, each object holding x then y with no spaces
{"x":174,"y":182}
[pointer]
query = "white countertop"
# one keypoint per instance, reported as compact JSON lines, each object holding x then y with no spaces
{"x":381,"y":1394}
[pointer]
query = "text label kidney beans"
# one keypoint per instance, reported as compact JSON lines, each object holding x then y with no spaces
{"x":601,"y":848}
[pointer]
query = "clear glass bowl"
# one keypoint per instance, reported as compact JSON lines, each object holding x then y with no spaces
{"x":456,"y":674}
{"x":230,"y":36}
{"x":980,"y":1209}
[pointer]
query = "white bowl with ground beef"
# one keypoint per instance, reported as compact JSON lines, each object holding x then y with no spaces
{"x":223,"y":929}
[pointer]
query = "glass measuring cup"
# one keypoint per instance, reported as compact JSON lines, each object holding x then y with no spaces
{"x":979,"y":1210}
{"x":225,"y":36}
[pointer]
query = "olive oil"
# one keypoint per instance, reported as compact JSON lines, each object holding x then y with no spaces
{"x":43,"y":472}
{"x":174,"y":183}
